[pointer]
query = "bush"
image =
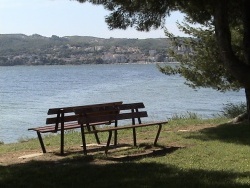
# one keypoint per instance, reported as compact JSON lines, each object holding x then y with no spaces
{"x":233,"y":110}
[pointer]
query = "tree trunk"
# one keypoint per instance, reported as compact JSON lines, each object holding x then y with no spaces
{"x":246,"y":46}
{"x":246,"y":33}
{"x":247,"y":91}
{"x":239,"y":69}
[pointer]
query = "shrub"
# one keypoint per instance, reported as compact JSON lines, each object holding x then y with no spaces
{"x":233,"y":110}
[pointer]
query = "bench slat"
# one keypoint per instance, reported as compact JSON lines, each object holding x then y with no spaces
{"x":71,"y":109}
{"x":91,"y":118}
{"x":126,"y":127}
{"x":55,"y":120}
{"x":51,"y":128}
{"x":130,"y":106}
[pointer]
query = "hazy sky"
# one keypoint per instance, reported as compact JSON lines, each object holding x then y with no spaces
{"x":67,"y":18}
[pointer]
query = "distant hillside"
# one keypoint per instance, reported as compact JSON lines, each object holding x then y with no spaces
{"x":19,"y":49}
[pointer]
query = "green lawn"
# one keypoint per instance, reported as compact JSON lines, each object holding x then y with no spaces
{"x":216,"y":156}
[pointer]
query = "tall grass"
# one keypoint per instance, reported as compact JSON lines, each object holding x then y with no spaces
{"x":187,"y":115}
{"x":233,"y":110}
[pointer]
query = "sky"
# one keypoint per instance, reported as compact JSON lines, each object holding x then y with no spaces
{"x":68,"y":18}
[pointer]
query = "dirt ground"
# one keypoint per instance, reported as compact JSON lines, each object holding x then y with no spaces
{"x":37,"y":155}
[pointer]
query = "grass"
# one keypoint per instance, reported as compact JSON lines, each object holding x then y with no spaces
{"x":198,"y":153}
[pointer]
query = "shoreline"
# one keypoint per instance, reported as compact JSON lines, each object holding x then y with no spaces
{"x":138,"y":63}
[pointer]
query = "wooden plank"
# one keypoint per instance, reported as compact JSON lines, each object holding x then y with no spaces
{"x":54,"y":120}
{"x":51,"y":128}
{"x":96,"y":110}
{"x":111,"y":117}
{"x":130,"y":106}
{"x":127,"y":127}
{"x":52,"y":111}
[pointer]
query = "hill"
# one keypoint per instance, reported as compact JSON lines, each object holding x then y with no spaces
{"x":20,"y":49}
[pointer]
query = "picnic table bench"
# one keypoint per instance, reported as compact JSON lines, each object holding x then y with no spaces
{"x":61,"y":119}
{"x":114,"y":114}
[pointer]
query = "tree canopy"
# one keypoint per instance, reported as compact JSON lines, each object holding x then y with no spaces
{"x":223,"y":14}
{"x":147,"y":14}
{"x":200,"y":64}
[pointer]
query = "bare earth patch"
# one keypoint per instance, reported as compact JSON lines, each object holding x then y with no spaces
{"x":196,"y":128}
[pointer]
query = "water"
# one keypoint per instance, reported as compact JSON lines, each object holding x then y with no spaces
{"x":26,"y":93}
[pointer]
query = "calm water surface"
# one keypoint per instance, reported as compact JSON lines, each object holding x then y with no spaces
{"x":26,"y":93}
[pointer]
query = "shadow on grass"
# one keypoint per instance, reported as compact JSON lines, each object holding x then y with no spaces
{"x":147,"y":151}
{"x":161,"y":151}
{"x":232,"y":133}
{"x":91,"y":149}
{"x":80,"y":172}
